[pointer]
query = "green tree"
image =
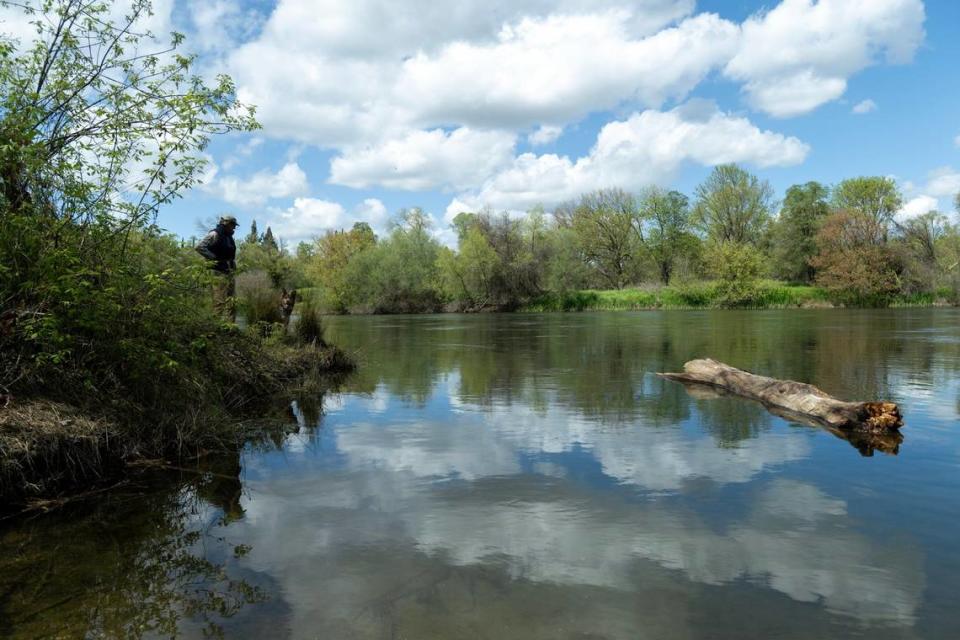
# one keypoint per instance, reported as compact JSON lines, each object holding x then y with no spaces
{"x":733,"y":205}
{"x":253,"y":237}
{"x":794,"y":235}
{"x":84,"y":103}
{"x":305,"y":251}
{"x":414,"y":220}
{"x":269,"y":242}
{"x":923,"y":234}
{"x":738,"y":268}
{"x":522,"y":248}
{"x":565,"y":268}
{"x":668,"y":215}
{"x":920,"y":243}
{"x":281,"y":268}
{"x":403,"y":276}
{"x":873,"y":196}
{"x":468,"y":276}
{"x":608,"y":227}
{"x":948,"y":260}
{"x":328,"y":267}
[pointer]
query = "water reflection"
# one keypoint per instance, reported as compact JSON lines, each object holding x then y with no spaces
{"x":529,"y":477}
{"x":131,"y":565}
{"x":413,"y":538}
{"x":494,"y":440}
{"x":597,"y":362}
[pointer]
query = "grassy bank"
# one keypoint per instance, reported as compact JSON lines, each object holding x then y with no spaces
{"x":708,"y":295}
{"x":769,"y":294}
{"x":55,"y":444}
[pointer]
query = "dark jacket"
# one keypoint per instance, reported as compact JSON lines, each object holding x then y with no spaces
{"x":218,"y":246}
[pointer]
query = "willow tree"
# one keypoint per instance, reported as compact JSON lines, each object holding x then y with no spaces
{"x":733,"y":205}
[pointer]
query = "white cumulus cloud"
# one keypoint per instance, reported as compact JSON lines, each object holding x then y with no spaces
{"x":943,"y":182}
{"x":419,"y":95}
{"x":942,"y":185}
{"x":647,"y":148}
{"x":422,"y":160}
{"x":308,"y":217}
{"x":262,"y":186}
{"x":372,"y":70}
{"x":562,"y":67}
{"x":800,"y":54}
{"x":218,"y":25}
{"x":917,"y":207}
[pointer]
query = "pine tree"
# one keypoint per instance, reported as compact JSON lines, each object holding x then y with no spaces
{"x":269,"y":243}
{"x":253,"y":237}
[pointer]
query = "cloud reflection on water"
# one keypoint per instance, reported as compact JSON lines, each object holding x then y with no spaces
{"x":422,"y":492}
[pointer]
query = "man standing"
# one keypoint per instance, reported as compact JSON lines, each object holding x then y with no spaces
{"x":219,"y":248}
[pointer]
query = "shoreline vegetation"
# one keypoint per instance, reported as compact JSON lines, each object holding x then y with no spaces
{"x":707,"y":295}
{"x":731,"y":245}
{"x":767,"y":294}
{"x":110,"y":349}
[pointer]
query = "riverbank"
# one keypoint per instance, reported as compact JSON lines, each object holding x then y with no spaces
{"x":767,"y":294}
{"x":708,"y":295}
{"x":51,"y":447}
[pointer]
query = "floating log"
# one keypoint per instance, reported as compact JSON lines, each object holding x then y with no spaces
{"x":795,"y":397}
{"x":866,"y":442}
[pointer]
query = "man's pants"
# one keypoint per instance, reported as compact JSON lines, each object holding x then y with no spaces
{"x":224,"y":290}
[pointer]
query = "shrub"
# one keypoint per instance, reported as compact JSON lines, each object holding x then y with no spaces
{"x":864,"y":276}
{"x":738,"y":268}
{"x":689,"y":295}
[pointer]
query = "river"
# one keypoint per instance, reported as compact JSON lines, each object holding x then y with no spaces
{"x":528,"y":476}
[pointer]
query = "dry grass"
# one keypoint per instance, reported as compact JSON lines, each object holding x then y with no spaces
{"x":46,"y":447}
{"x":50,"y":448}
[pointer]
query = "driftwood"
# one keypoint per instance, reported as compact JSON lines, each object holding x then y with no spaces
{"x":797,"y":398}
{"x":867,"y":443}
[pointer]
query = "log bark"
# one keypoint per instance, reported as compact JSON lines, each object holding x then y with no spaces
{"x":795,"y":397}
{"x":866,"y":442}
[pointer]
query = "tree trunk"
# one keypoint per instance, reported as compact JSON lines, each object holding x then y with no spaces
{"x":795,"y":397}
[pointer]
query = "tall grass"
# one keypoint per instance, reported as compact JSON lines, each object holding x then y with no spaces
{"x":309,"y":329}
{"x":766,"y":294}
{"x":257,"y":299}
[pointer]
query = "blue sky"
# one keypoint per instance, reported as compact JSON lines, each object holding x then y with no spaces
{"x":368,"y":106}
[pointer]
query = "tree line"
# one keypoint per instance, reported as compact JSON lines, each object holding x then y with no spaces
{"x":732,"y":232}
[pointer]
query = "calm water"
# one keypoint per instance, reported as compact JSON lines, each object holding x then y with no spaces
{"x":527,"y":476}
